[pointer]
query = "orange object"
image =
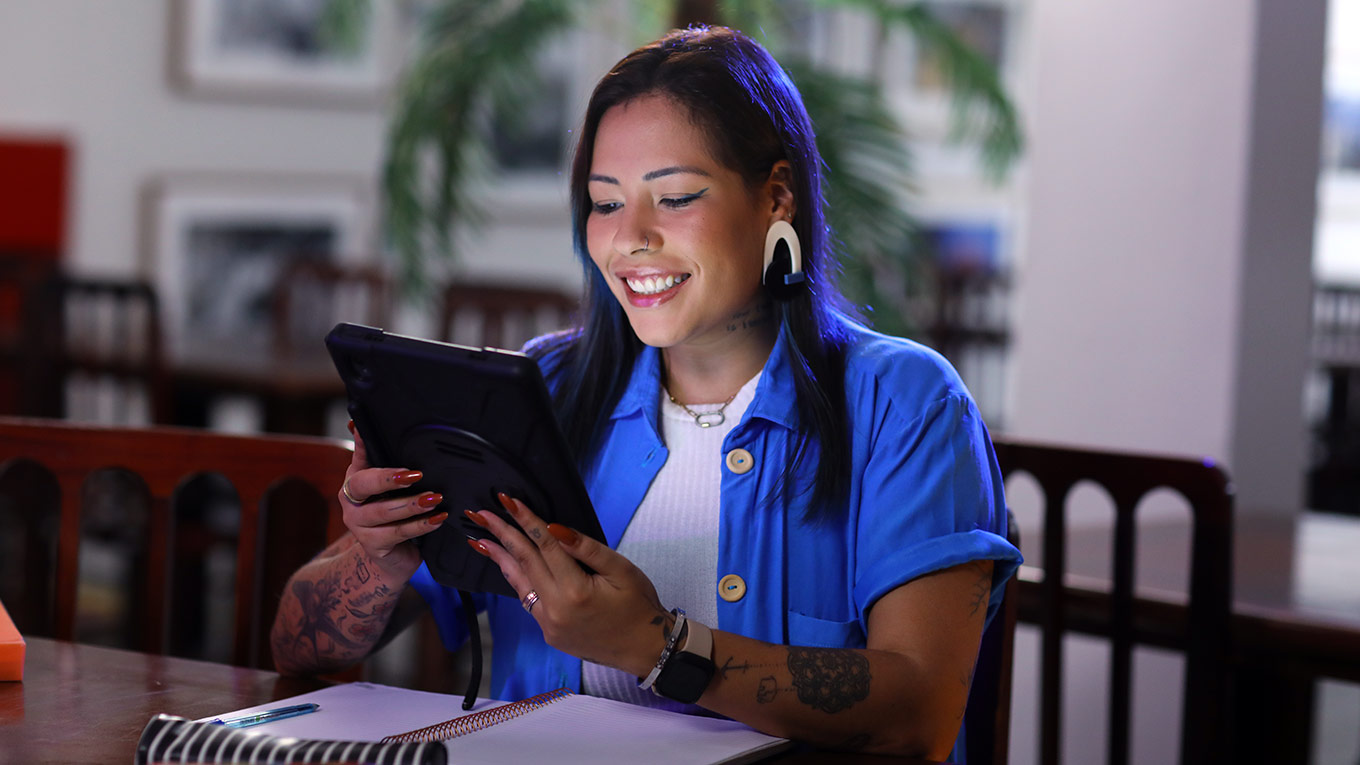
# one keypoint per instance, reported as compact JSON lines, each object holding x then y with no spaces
{"x":11,"y":649}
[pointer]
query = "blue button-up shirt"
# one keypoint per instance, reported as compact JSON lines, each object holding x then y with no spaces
{"x":925,"y":495}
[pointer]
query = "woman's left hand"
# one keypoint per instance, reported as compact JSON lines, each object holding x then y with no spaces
{"x":611,"y":617}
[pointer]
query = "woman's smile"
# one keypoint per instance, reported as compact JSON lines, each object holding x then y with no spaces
{"x":646,"y":288}
{"x":679,"y":235}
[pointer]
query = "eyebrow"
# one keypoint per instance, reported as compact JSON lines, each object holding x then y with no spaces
{"x":653,"y":175}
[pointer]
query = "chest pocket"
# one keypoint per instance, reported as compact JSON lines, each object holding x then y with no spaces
{"x":824,"y":633}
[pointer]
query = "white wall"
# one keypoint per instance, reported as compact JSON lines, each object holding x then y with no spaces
{"x":1148,"y":199}
{"x":1126,"y":306}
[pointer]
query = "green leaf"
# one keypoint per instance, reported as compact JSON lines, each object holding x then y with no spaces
{"x":981,"y":109}
{"x":471,"y":52}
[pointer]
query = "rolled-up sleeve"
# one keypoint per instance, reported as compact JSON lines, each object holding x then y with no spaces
{"x":931,"y":498}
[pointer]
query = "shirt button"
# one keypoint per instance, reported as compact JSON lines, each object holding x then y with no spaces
{"x":731,"y":588}
{"x":740,"y":461}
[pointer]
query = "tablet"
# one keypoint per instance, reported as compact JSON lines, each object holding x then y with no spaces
{"x":475,"y":421}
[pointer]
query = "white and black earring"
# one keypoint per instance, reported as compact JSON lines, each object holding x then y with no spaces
{"x":783,"y":274}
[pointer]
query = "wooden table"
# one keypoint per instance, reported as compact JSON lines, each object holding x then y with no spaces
{"x":86,"y":704}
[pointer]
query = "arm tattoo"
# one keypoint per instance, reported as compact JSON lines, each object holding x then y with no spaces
{"x":829,"y":679}
{"x":318,"y":599}
{"x":666,"y":621}
{"x":728,"y":667}
{"x":982,"y":587}
{"x":333,"y":610}
{"x":767,"y":690}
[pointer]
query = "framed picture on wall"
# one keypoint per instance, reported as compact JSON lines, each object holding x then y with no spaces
{"x":338,"y":52}
{"x":982,"y":26}
{"x":915,"y":78}
{"x":1341,"y":133}
{"x":219,"y":244}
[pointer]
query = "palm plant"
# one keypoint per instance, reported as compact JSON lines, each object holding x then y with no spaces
{"x":476,"y":56}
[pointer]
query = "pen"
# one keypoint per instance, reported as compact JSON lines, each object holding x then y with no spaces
{"x":268,"y":715}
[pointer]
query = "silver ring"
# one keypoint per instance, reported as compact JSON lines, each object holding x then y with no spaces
{"x":344,"y":489}
{"x":529,"y":600}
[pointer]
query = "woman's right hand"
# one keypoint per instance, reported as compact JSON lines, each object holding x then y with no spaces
{"x":385,"y":527}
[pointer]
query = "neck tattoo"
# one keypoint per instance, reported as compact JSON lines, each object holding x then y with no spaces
{"x":705,"y":419}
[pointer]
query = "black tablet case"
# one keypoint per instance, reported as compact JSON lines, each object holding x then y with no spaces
{"x":475,"y":421}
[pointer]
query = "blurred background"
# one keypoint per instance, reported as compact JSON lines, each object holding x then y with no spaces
{"x":1132,"y":224}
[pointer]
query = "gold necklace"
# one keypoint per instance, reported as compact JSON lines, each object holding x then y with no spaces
{"x":705,"y":419}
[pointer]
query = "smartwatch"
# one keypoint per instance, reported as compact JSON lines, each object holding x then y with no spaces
{"x":688,"y":671}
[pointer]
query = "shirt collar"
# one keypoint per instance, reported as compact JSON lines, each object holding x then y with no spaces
{"x":644,"y":385}
{"x":775,"y":399}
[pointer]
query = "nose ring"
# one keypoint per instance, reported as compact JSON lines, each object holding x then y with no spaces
{"x":646,"y":243}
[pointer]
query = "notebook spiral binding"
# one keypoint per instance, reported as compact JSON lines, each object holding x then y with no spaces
{"x":169,"y":739}
{"x":461,"y":726}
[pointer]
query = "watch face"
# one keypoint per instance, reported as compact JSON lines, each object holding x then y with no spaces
{"x":685,"y":677}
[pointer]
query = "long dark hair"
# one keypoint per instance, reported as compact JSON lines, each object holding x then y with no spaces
{"x":753,"y":116}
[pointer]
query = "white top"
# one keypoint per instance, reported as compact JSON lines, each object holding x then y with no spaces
{"x":673,"y":536}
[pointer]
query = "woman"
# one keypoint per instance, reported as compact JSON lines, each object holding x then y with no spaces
{"x":821,"y":501}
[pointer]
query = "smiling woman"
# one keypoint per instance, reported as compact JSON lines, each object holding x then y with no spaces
{"x":805,"y":520}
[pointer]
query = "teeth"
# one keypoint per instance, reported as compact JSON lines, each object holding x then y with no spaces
{"x":652,"y":285}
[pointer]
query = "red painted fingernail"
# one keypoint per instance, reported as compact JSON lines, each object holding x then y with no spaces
{"x":477,"y":519}
{"x":564,"y":535}
{"x":505,"y":501}
{"x":477,"y":545}
{"x":407,"y":477}
{"x":351,"y":426}
{"x":428,"y":501}
{"x":435,"y":520}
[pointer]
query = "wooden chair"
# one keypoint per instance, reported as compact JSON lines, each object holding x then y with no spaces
{"x":499,"y":316}
{"x":1334,"y":476}
{"x":94,"y":345}
{"x":1058,"y":605}
{"x":312,"y":295}
{"x":20,"y":275}
{"x":66,"y":488}
{"x":987,"y":719}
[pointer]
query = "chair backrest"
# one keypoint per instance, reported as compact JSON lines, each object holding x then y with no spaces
{"x":987,"y":719}
{"x":171,"y":523}
{"x":20,"y":275}
{"x":95,"y":351}
{"x":312,"y":295}
{"x":499,"y":316}
{"x":1205,"y":632}
{"x":1336,"y":325}
{"x":1334,"y":475}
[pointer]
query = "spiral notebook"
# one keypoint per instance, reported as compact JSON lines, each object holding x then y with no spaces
{"x":559,"y":727}
{"x":471,"y":723}
{"x":169,"y":739}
